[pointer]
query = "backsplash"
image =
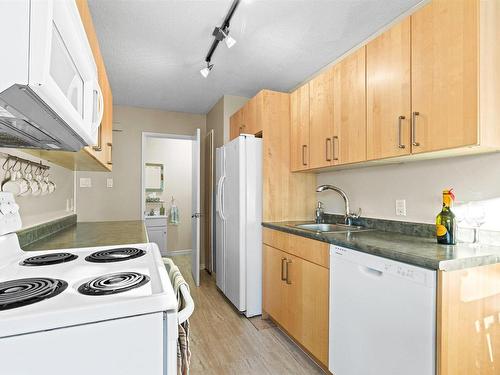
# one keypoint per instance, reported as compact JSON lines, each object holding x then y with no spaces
{"x":375,"y":189}
{"x":36,"y":210}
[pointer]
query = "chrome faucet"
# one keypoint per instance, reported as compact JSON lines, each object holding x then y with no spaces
{"x":348,"y":216}
{"x":319,"y":213}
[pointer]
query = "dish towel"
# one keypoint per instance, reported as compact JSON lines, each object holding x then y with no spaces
{"x":183,"y":351}
{"x":173,"y":217}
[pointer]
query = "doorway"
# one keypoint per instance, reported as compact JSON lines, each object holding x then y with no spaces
{"x":170,"y":198}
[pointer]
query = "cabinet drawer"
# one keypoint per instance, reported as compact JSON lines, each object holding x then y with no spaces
{"x":305,"y":248}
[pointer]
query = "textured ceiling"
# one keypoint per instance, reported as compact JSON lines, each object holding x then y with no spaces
{"x":154,"y":49}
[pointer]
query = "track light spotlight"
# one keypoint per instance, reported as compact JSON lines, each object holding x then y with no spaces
{"x":228,"y":39}
{"x":206,"y":71}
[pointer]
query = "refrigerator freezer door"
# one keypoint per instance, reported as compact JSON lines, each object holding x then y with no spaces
{"x":219,"y":220}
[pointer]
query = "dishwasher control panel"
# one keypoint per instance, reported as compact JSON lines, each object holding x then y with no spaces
{"x":382,"y":266}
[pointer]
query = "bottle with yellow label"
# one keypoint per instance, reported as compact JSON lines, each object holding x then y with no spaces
{"x":446,"y":223}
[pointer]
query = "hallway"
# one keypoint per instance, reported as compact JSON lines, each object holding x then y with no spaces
{"x":224,"y":342}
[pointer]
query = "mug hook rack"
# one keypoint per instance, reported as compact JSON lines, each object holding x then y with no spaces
{"x":21,"y":161}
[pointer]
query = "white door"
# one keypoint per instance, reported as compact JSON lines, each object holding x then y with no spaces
{"x":195,"y":217}
{"x":220,"y":221}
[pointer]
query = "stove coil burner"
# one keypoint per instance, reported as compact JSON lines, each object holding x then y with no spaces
{"x":113,"y":283}
{"x":115,"y":255}
{"x":22,"y":292}
{"x":48,"y":259}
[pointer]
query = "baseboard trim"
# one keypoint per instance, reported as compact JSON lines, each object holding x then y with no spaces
{"x":178,"y":252}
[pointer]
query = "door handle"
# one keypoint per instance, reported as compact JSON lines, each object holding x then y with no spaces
{"x":371,"y":271}
{"x":414,"y":129}
{"x":335,"y":137}
{"x":400,"y":124}
{"x":304,"y":148}
{"x":288,"y":281}
{"x":327,"y":148}
{"x":283,"y":278}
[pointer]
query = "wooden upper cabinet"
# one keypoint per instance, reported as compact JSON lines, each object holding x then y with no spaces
{"x":299,"y":129}
{"x":250,"y":125}
{"x":321,"y":120}
{"x":349,"y":110}
{"x":234,"y":125}
{"x":388,"y":100}
{"x":246,"y":119}
{"x":445,"y":75}
{"x":102,"y":151}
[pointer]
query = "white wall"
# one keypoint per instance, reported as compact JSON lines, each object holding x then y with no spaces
{"x":40,"y":209}
{"x":375,"y":189}
{"x":231,"y":105}
{"x":176,"y":157}
{"x":123,"y":201}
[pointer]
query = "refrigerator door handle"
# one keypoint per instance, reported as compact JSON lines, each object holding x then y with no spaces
{"x":219,"y":197}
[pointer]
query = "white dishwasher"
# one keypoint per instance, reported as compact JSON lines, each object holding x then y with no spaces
{"x":382,"y":316}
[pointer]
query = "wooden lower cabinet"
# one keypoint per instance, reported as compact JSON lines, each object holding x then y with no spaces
{"x":468,"y":321}
{"x":295,"y":295}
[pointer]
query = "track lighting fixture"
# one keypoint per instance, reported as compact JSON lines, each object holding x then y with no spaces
{"x":220,"y":33}
{"x":206,"y":71}
{"x":228,"y":39}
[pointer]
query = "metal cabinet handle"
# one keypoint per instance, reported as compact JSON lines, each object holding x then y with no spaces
{"x":327,"y":149}
{"x":335,"y":138}
{"x":400,"y":124}
{"x":304,"y":148}
{"x":283,"y":260}
{"x":288,"y":281}
{"x":414,"y":129}
{"x":98,"y":147}
{"x":110,"y":160}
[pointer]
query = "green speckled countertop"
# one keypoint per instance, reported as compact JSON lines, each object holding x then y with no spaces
{"x":418,"y":251}
{"x":93,"y":234}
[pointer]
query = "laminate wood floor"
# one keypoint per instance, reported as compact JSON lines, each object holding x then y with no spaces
{"x":225,"y":342}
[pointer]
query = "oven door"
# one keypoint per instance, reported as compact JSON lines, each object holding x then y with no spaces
{"x":62,"y":70}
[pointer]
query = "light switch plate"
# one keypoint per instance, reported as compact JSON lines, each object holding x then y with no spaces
{"x":85,"y":182}
{"x":109,"y":182}
{"x":400,"y":207}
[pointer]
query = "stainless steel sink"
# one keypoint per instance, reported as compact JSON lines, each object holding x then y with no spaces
{"x":329,"y":228}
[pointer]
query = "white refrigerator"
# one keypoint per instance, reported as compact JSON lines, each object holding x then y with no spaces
{"x":238,"y":236}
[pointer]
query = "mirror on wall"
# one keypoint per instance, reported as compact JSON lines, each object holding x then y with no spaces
{"x":154,"y":177}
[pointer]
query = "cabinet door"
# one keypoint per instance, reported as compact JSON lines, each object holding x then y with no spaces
{"x":299,"y":132}
{"x":444,"y":75}
{"x":349,"y":141}
{"x":235,"y":125}
{"x":307,"y":308}
{"x":388,"y":93}
{"x":249,"y":122}
{"x":158,"y":235}
{"x":273,"y":290}
{"x":321,"y":120}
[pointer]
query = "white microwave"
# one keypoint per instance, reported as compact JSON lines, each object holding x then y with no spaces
{"x":49,"y":92}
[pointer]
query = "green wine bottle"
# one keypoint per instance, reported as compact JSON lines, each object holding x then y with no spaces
{"x":446,"y":223}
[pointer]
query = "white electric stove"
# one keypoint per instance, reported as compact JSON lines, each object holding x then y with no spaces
{"x":104,"y":310}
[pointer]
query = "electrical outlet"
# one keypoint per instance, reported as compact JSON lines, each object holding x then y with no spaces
{"x":109,"y":182}
{"x":85,"y":182}
{"x":400,"y":207}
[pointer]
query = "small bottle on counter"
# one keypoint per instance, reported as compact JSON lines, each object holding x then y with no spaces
{"x":446,"y":223}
